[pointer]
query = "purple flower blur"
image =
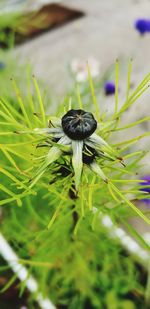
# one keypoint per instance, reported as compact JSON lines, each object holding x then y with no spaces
{"x":109,"y":88}
{"x":148,"y":25}
{"x":142,"y":25}
{"x":146,"y":190}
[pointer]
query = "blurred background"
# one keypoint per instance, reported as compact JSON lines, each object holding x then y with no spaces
{"x":54,"y":40}
{"x":50,"y":34}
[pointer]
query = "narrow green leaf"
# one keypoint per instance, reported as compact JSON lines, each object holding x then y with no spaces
{"x":116,"y":87}
{"x":130,"y":203}
{"x":40,"y":101}
{"x":97,"y":108}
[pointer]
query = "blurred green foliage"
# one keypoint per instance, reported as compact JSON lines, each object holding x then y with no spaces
{"x":75,"y":262}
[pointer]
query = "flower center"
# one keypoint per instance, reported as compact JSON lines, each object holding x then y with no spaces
{"x":78,"y":124}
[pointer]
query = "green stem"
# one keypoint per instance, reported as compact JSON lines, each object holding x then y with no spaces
{"x":73,"y":196}
{"x":147,"y":292}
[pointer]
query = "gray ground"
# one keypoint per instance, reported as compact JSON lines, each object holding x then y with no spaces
{"x":106,"y":32}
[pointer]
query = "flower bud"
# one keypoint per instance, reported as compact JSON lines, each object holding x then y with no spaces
{"x":78,"y":124}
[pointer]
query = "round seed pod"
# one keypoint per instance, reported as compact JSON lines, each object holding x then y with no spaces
{"x":78,"y":124}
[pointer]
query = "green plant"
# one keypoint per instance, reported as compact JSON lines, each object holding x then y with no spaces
{"x":56,"y":228}
{"x":7,"y":27}
{"x":17,"y":27}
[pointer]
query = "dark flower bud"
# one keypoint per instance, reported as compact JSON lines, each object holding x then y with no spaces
{"x":78,"y":124}
{"x":88,"y":154}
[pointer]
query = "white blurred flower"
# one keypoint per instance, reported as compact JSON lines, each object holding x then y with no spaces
{"x":79,"y":68}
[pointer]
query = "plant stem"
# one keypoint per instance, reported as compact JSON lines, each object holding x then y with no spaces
{"x":73,"y":196}
{"x":147,"y":292}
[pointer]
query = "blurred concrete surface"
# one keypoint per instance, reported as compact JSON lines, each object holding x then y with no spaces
{"x":105,"y":32}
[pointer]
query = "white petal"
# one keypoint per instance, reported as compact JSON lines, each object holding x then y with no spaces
{"x":97,"y":170}
{"x":96,"y":139}
{"x":77,"y":147}
{"x":64,"y":143}
{"x":58,"y":135}
{"x":100,"y":153}
{"x":43,"y":131}
{"x":47,"y":130}
{"x":55,"y":152}
{"x":53,"y":155}
{"x":100,"y":144}
{"x":65,"y":140}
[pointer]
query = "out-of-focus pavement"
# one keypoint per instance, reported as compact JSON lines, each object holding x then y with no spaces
{"x":105,"y":32}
